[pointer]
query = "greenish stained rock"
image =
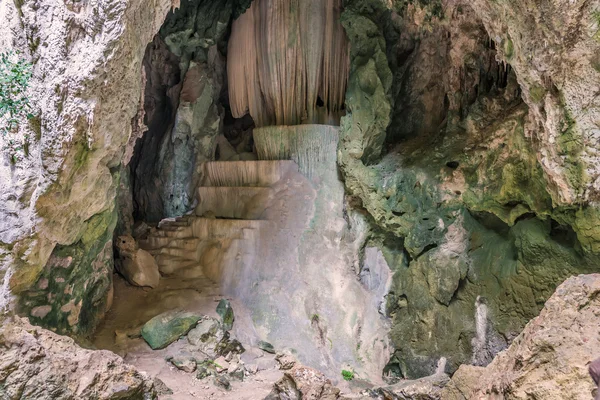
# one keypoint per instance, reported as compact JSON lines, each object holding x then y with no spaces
{"x":266,"y":346}
{"x":587,"y":227}
{"x":226,"y":313}
{"x":167,"y":327}
{"x":509,"y":48}
{"x":228,"y":345}
{"x":537,"y":93}
{"x":71,"y":294}
{"x":506,"y":178}
{"x":205,"y":370}
{"x":511,"y":271}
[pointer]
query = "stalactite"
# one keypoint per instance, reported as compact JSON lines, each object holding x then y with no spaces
{"x":310,"y":146}
{"x":283,"y":56}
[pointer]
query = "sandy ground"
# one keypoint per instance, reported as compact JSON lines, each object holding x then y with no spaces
{"x":134,"y":306}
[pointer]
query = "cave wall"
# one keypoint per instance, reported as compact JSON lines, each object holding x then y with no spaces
{"x":185,"y":72}
{"x":86,"y":61}
{"x":462,"y":205}
{"x":57,"y":259}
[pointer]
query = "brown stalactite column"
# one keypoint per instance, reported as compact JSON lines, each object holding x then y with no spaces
{"x":283,"y":57}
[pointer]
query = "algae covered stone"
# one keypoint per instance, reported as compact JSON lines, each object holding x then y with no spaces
{"x":226,"y":313}
{"x":167,"y":327}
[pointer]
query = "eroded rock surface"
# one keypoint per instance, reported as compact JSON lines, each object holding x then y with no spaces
{"x":550,"y":359}
{"x":37,"y":364}
{"x":136,"y":265}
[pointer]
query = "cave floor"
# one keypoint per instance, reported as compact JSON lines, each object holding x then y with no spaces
{"x":133,"y":306}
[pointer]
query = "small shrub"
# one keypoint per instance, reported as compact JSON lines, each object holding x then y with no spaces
{"x":347,"y":375}
{"x":15,"y":74}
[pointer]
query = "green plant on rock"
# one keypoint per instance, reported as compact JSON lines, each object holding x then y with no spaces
{"x":596,"y":19}
{"x":347,"y":375}
{"x":15,"y":74}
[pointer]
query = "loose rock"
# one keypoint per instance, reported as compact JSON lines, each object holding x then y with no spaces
{"x":167,"y":327}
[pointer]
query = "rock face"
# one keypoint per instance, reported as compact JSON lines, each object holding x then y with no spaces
{"x":457,"y":184}
{"x":40,"y":365}
{"x":136,"y":265}
{"x":67,"y":182}
{"x":559,"y":79}
{"x":550,"y":359}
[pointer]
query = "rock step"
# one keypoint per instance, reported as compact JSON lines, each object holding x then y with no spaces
{"x":167,"y":264}
{"x":207,"y":228}
{"x":153,"y":243}
{"x":239,"y":202}
{"x":246,"y":173}
{"x":204,"y":228}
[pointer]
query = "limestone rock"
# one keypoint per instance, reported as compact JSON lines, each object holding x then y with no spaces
{"x":58,"y":209}
{"x":136,"y":265}
{"x":40,"y":365}
{"x":303,"y":383}
{"x":550,"y":359}
{"x":167,"y":327}
{"x":207,"y":336}
{"x":222,"y":382}
{"x":185,"y":363}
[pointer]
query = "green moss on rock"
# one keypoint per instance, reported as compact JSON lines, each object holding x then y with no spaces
{"x":167,"y":327}
{"x":70,"y":295}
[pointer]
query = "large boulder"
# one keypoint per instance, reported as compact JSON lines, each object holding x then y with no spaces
{"x":167,"y":327}
{"x":136,"y":265}
{"x":550,"y":359}
{"x":37,"y":364}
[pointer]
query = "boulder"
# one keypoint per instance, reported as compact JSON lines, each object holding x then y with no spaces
{"x":549,"y":360}
{"x":137,"y":265}
{"x":167,"y":327}
{"x":40,"y":365}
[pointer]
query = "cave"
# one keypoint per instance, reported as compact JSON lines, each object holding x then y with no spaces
{"x":286,"y":199}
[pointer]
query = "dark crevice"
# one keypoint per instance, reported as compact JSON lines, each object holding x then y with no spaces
{"x":427,"y":248}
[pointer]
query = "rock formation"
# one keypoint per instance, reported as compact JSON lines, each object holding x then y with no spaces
{"x":391,"y":187}
{"x":550,"y":358}
{"x":288,"y":62}
{"x":38,"y":364}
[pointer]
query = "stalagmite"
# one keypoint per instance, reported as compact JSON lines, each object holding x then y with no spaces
{"x":288,"y":62}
